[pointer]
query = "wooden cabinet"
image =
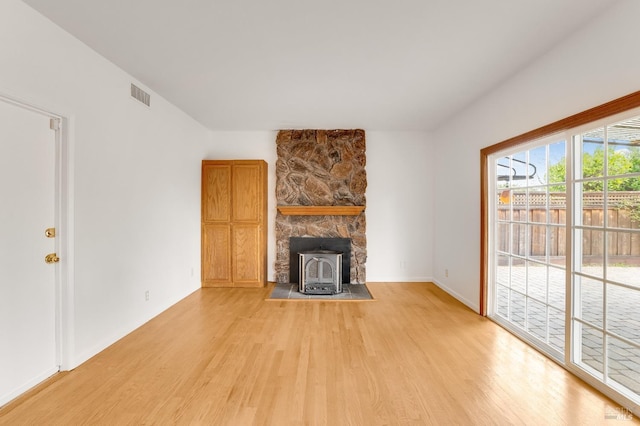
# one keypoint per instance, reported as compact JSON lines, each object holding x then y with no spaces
{"x":234,"y":223}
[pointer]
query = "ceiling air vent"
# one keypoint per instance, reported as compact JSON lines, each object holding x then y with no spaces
{"x":140,"y":95}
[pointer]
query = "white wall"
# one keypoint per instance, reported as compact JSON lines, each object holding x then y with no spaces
{"x":399,"y":196}
{"x":399,"y":206}
{"x":135,"y":197}
{"x":595,"y":65}
{"x":135,"y":185}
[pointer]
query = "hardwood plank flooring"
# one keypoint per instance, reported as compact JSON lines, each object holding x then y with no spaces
{"x":415,"y":356}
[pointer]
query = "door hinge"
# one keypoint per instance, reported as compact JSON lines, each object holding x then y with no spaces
{"x":54,"y":124}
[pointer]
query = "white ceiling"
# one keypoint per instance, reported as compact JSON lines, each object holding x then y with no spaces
{"x":273,"y":64}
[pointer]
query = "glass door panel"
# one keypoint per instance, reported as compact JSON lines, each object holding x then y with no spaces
{"x":530,"y":240}
{"x":606,"y":279}
{"x":556,"y":328}
{"x":588,"y":296}
{"x":623,"y":365}
{"x":590,"y":354}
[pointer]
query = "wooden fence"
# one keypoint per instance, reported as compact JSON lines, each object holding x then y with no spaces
{"x":619,"y":242}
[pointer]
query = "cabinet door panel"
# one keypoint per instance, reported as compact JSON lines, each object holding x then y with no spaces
{"x":216,"y":193}
{"x":216,"y":255}
{"x":246,"y":259}
{"x":246,"y":197}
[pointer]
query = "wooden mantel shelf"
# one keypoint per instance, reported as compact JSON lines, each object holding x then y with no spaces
{"x":320,"y":210}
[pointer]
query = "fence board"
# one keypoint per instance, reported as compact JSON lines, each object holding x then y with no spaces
{"x":623,"y":246}
{"x":562,"y":233}
{"x":586,"y":233}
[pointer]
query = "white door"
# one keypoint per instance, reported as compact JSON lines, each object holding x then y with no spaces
{"x":28,"y":353}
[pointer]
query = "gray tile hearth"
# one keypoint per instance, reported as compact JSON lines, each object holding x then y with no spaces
{"x":289,"y":291}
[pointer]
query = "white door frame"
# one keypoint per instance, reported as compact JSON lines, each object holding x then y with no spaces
{"x":63,"y":224}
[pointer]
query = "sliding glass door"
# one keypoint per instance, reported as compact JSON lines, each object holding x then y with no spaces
{"x":606,"y":273}
{"x":529,"y":262}
{"x":564,"y":250}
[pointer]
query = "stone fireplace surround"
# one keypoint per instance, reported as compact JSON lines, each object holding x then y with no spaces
{"x":319,"y":170}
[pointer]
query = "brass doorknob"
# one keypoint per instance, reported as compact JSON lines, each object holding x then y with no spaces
{"x":51,"y":258}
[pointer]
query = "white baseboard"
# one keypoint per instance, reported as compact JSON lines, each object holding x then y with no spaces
{"x":14,"y":393}
{"x":400,"y":280}
{"x":104,"y":343}
{"x":461,"y":299}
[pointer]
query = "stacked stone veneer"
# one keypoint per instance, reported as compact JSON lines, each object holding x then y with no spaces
{"x":321,"y":168}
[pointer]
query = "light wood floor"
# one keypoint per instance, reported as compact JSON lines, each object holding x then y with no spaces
{"x":415,"y":356}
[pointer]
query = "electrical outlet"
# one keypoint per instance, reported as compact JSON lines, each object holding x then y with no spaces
{"x":446,"y":273}
{"x":146,"y":295}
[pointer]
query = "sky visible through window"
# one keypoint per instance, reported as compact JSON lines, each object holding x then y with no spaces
{"x":535,"y":170}
{"x":532,"y":168}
